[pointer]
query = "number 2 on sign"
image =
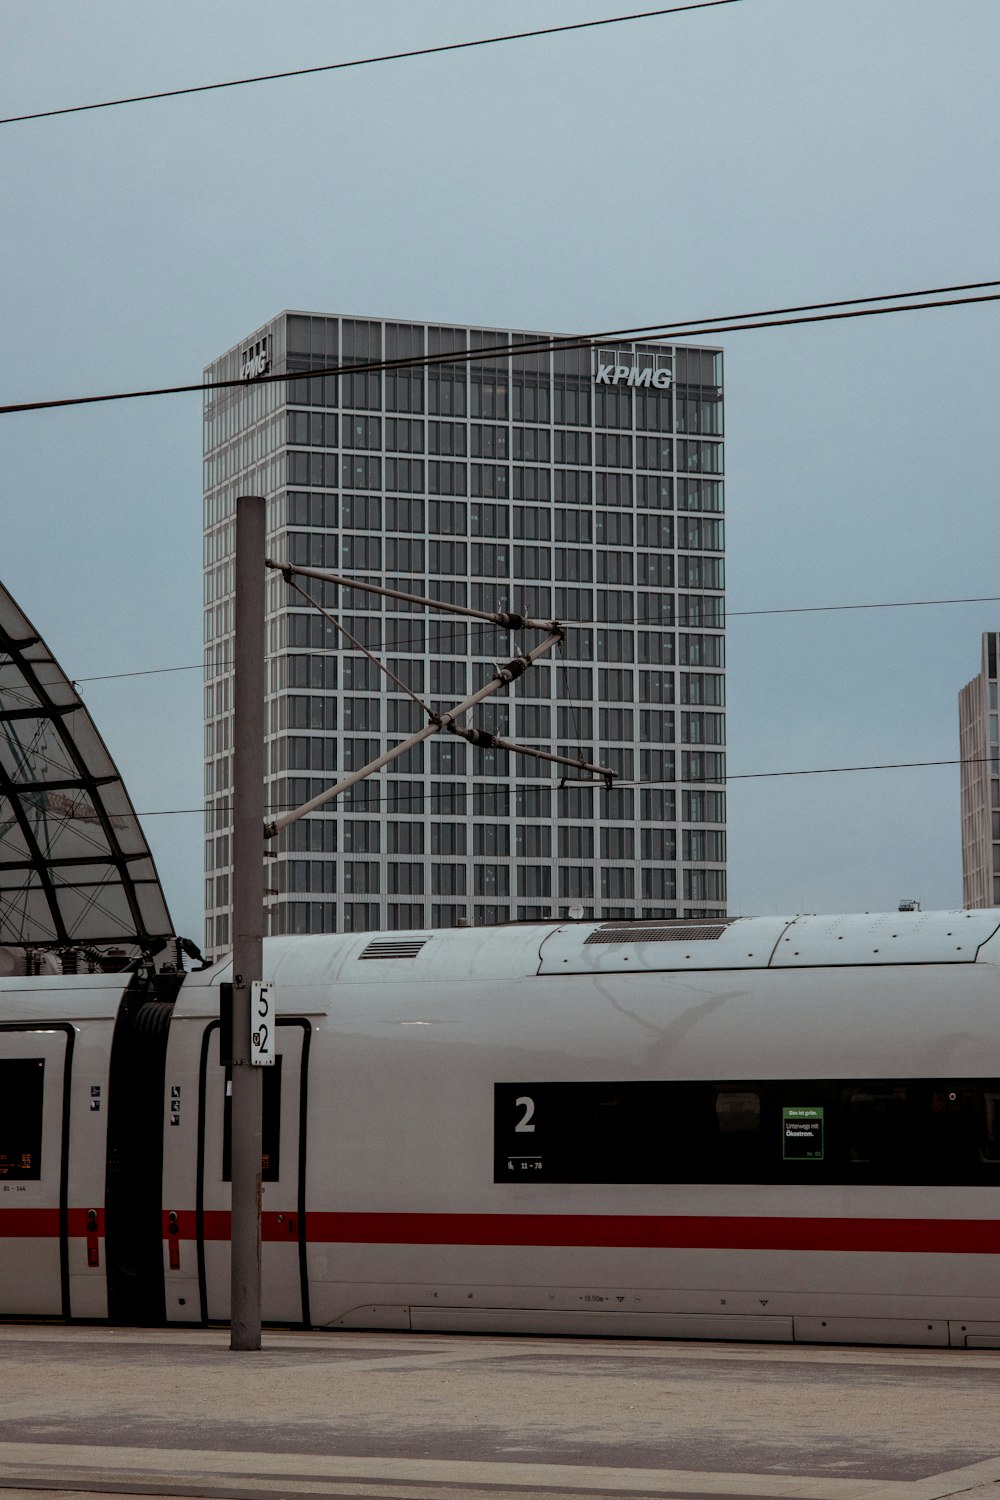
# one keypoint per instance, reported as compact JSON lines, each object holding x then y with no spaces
{"x":262,"y":1023}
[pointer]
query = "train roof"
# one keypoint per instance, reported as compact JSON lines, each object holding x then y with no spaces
{"x":522,"y":950}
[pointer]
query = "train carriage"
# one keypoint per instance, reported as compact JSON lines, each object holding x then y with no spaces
{"x":752,"y":1128}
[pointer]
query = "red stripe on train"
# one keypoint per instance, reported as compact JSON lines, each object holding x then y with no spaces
{"x":583,"y":1231}
{"x":43,"y":1223}
{"x":660,"y":1232}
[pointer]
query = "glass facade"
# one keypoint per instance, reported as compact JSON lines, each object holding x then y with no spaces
{"x":585,"y":486}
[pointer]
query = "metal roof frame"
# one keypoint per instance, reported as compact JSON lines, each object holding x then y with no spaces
{"x":75,"y":869}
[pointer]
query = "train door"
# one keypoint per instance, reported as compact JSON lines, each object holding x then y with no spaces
{"x":35,"y":1076}
{"x":284,"y":1285}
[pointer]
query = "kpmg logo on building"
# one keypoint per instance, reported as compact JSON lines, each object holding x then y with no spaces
{"x":640,"y":370}
{"x":255,"y":360}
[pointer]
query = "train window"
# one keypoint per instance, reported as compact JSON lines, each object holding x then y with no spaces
{"x":270,"y":1135}
{"x":801,"y":1131}
{"x":964,"y":1125}
{"x":737,"y":1112}
{"x":990,"y":1149}
{"x":22,"y":1081}
{"x":878,"y":1124}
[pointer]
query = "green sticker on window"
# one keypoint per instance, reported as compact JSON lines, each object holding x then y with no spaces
{"x":802,"y":1132}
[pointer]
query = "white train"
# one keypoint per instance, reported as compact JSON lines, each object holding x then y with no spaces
{"x":755,"y":1128}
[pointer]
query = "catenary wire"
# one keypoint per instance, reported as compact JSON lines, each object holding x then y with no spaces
{"x":803,"y":609}
{"x":365,"y":62}
{"x":677,"y":331}
{"x":554,"y":784}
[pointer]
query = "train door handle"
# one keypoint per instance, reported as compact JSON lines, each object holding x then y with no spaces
{"x":173,"y":1242}
{"x":93,"y":1244}
{"x":290,"y":1221}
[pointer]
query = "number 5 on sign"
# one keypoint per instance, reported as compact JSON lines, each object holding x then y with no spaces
{"x":262,"y":1023}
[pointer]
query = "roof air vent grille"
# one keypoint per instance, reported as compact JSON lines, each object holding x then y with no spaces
{"x":661,"y":932}
{"x":393,"y":948}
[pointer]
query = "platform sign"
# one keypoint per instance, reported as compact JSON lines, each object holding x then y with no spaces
{"x":802,"y":1132}
{"x":262,"y":1023}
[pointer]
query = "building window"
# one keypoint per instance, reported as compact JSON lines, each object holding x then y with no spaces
{"x":658,"y":845}
{"x":447,"y":557}
{"x":405,"y":838}
{"x":700,"y":495}
{"x":657,"y":805}
{"x":490,"y":442}
{"x":576,"y":880}
{"x":614,"y":451}
{"x":492,"y":880}
{"x":574,"y":564}
{"x":656,"y":765}
{"x":491,"y":838}
{"x":531,"y":484}
{"x":361,"y":916}
{"x":576,"y":843}
{"x":403,"y":435}
{"x":360,"y":473}
{"x":659,"y":885}
{"x":489,"y":480}
{"x":404,"y":554}
{"x":446,"y":438}
{"x":447,"y":517}
{"x":572,"y":447}
{"x":532,"y":524}
{"x":448,"y":880}
{"x":361,"y":837}
{"x":573,"y":486}
{"x":405,"y":474}
{"x":361,"y":554}
{"x":448,"y":756}
{"x":404,"y":878}
{"x":490,"y":915}
{"x":617,"y":883}
{"x":617,"y":843}
{"x":534,"y":880}
{"x":446,"y":394}
{"x":403,"y":916}
{"x":532,"y":562}
{"x":531,"y":399}
{"x":404,"y":390}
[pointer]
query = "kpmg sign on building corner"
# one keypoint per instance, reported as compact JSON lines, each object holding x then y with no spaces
{"x":255,"y":360}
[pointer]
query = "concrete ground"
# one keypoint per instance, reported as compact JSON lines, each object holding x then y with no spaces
{"x":102,"y":1411}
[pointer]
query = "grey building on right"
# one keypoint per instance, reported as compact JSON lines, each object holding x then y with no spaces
{"x":980,"y":767}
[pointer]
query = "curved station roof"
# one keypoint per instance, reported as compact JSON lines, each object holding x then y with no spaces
{"x":75,"y":869}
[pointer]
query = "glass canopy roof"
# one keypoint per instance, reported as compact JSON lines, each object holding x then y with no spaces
{"x":75,"y":868}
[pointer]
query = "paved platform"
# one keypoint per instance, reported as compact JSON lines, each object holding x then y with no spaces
{"x":91,"y":1412}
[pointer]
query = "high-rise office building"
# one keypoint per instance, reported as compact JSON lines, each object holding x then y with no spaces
{"x":581,"y":485}
{"x":979,"y":744}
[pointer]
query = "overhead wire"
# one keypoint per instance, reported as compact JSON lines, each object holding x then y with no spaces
{"x":365,"y":62}
{"x":460,"y":793}
{"x":801,"y":609}
{"x":696,"y":328}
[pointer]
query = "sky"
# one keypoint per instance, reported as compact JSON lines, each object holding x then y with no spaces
{"x":758,"y":154}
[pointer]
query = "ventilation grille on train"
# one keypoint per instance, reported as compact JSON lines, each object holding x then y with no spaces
{"x":662,"y":932}
{"x":393,"y":948}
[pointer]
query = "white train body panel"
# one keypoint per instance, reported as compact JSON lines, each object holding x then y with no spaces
{"x":440,"y":1114}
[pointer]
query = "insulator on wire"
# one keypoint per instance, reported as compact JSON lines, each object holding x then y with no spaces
{"x":514,"y":669}
{"x":482,"y":737}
